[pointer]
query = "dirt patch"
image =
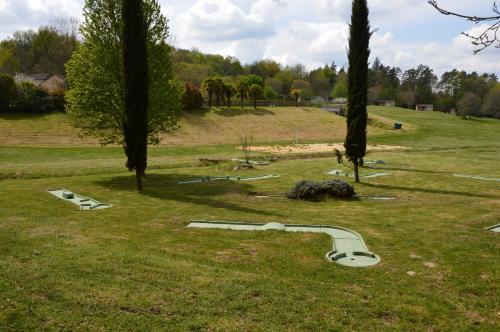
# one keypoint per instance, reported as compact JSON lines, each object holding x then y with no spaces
{"x":317,"y":148}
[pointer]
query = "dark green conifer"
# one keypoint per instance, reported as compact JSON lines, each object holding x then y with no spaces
{"x":136,"y":87}
{"x":357,"y":116}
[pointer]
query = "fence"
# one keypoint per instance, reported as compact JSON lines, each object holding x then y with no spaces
{"x":264,"y":103}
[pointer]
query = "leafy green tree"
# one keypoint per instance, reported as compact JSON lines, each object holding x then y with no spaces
{"x":135,"y":68}
{"x":194,"y":74}
{"x":468,"y":105}
{"x":269,"y":93}
{"x":274,"y":84}
{"x":340,"y":90}
{"x":191,"y":97}
{"x":7,"y":91}
{"x":44,"y":51}
{"x":9,"y":63}
{"x":420,"y":80}
{"x":97,"y":83}
{"x":254,"y":79}
{"x":320,"y":79}
{"x":295,"y":93}
{"x":255,"y":92}
{"x":359,"y":53}
{"x":491,"y":105}
{"x":264,"y":68}
{"x":304,"y":87}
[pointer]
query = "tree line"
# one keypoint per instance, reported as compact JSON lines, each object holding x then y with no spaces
{"x":48,"y":49}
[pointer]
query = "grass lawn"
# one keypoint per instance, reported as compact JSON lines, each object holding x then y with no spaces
{"x":137,"y":267}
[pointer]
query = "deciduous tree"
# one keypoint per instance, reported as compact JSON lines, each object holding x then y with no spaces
{"x":95,"y":73}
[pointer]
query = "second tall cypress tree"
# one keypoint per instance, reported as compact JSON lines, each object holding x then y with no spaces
{"x":359,"y":53}
{"x":136,"y":87}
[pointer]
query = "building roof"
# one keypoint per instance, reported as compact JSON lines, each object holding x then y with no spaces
{"x":40,"y":77}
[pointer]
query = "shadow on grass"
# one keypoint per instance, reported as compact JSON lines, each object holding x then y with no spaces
{"x":24,"y":115}
{"x":237,"y":111}
{"x":407,"y":170}
{"x":429,"y":191}
{"x":201,"y":112}
{"x":164,"y":186}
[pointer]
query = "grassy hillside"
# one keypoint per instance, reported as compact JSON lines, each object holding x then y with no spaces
{"x":137,"y":267}
{"x":219,"y":126}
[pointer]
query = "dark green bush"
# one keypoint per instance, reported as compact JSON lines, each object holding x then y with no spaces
{"x":7,"y":91}
{"x":310,"y":190}
{"x":54,"y":102}
{"x":191,"y":97}
{"x":29,"y":99}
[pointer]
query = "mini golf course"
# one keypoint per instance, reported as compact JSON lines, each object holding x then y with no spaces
{"x":349,"y":249}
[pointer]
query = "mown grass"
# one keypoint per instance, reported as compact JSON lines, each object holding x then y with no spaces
{"x":201,"y":127}
{"x":136,"y":267}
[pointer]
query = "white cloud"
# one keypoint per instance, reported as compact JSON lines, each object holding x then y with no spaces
{"x":312,"y":32}
{"x":223,"y":20}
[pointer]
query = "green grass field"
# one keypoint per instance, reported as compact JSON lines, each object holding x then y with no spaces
{"x":137,"y":267}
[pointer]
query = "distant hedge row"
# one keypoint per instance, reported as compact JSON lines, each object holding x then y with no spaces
{"x":26,"y":97}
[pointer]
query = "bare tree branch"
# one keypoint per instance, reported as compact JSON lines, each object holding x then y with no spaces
{"x":488,"y":37}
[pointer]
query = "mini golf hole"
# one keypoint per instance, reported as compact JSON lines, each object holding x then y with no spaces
{"x":349,"y":247}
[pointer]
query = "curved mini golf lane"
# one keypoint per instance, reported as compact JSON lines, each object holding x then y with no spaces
{"x":349,"y":249}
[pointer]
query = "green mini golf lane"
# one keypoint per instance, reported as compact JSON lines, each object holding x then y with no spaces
{"x":84,"y":203}
{"x":228,"y":178}
{"x":349,"y":249}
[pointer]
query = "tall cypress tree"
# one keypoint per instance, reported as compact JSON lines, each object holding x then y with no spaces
{"x":357,"y":116}
{"x":136,"y":87}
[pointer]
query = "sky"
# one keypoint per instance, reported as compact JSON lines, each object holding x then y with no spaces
{"x":311,"y":32}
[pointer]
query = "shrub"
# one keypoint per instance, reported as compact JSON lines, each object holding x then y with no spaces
{"x":7,"y":91}
{"x":191,"y":97}
{"x":269,"y":93}
{"x":55,"y":101}
{"x":30,"y":99}
{"x":310,"y":190}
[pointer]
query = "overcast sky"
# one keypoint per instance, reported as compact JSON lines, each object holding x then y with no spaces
{"x":312,"y":32}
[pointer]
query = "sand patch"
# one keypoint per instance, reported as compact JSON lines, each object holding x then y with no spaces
{"x":317,"y":148}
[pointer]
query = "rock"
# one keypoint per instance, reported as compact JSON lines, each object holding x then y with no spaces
{"x":411,"y":273}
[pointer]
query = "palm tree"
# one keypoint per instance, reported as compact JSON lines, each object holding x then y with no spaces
{"x":209,"y":86}
{"x":255,"y":92}
{"x":219,"y":90}
{"x":229,"y":92}
{"x":242,"y":89}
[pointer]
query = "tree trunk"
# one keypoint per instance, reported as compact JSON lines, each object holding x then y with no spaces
{"x":356,"y":171}
{"x":138,"y":178}
{"x":209,"y":100}
{"x":255,"y":103}
{"x":241,"y":102}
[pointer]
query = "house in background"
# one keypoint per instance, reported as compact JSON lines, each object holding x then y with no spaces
{"x":424,"y":107}
{"x":48,"y":82}
{"x":386,"y":103}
